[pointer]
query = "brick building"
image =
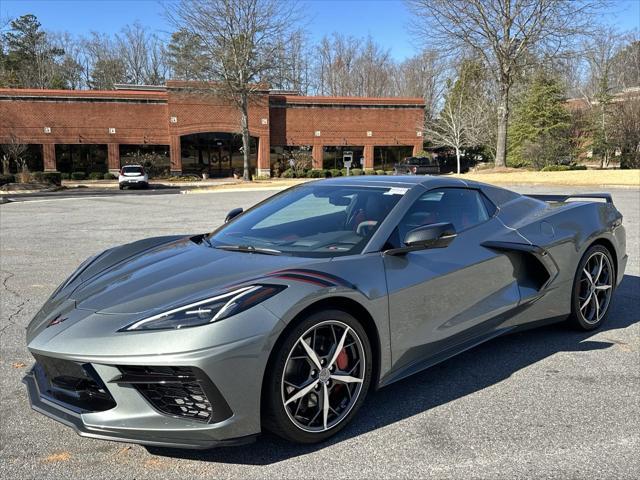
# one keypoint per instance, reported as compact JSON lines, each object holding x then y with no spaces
{"x":68,"y":130}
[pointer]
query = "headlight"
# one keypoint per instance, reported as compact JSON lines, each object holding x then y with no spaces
{"x":208,"y":310}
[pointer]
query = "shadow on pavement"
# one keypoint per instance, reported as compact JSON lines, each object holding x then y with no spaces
{"x":467,"y":373}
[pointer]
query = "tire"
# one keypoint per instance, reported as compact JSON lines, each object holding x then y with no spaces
{"x":121,"y":187}
{"x":592,"y":289}
{"x":291,"y":420}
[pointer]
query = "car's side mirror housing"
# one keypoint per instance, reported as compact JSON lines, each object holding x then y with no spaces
{"x":435,"y":235}
{"x":233,"y":214}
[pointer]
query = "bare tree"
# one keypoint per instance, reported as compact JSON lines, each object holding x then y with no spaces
{"x":601,"y":52}
{"x":15,"y":150}
{"x":293,"y":65}
{"x":240,"y":40}
{"x":627,"y":132}
{"x":374,"y":71}
{"x":336,"y":63}
{"x":143,"y":55}
{"x":422,"y":76}
{"x":462,"y":118}
{"x":104,"y":67}
{"x":70,"y":70}
{"x":503,"y":32}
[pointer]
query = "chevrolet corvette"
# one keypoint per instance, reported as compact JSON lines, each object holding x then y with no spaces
{"x":284,"y":317}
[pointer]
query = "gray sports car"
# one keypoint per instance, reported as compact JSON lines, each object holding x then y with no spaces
{"x":287,"y":315}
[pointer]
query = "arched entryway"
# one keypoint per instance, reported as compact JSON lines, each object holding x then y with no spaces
{"x":217,"y":153}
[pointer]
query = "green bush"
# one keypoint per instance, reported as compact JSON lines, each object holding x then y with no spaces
{"x":109,"y":176}
{"x":334,"y":172}
{"x":556,"y":168}
{"x":344,"y":172}
{"x":96,"y":176}
{"x":288,"y":173}
{"x":315,"y":174}
{"x":37,"y":177}
{"x":380,"y":172}
{"x":78,"y":176}
{"x":4,"y":179}
{"x":65,"y":176}
{"x":370,"y":172}
{"x":356,"y":171}
{"x":54,"y":178}
{"x":563,"y":168}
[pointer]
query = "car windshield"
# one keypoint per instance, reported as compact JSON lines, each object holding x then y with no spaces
{"x":132,"y":170}
{"x":311,"y":220}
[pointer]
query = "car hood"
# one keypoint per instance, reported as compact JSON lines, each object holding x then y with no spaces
{"x":170,"y":275}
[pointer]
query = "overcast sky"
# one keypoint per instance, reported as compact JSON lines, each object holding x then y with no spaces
{"x":386,"y":21}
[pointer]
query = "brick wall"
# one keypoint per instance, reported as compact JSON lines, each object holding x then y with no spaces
{"x":163,"y":116}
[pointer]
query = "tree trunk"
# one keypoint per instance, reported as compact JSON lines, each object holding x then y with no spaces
{"x":503,"y":120}
{"x":244,"y":113}
{"x":458,"y":159}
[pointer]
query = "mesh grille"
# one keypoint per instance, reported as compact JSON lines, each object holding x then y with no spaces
{"x":175,"y":391}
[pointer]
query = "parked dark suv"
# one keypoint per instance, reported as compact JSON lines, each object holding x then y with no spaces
{"x":417,"y":166}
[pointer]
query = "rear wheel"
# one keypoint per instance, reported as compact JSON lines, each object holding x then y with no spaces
{"x":319,"y":377}
{"x":593,"y":288}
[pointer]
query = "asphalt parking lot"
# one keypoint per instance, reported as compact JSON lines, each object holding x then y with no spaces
{"x":544,"y":403}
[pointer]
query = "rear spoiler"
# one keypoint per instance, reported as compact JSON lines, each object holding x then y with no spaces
{"x":564,"y":198}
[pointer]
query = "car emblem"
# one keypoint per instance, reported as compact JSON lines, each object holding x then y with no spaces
{"x":56,"y":321}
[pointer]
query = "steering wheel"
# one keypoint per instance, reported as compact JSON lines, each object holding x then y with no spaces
{"x":365,"y":224}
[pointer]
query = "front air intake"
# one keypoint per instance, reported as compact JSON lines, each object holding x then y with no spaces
{"x":73,"y":385}
{"x":183,"y":392}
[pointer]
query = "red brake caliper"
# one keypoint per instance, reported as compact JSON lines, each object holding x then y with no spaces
{"x":343,"y":359}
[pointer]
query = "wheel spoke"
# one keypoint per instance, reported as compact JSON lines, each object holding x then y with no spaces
{"x":302,"y":392}
{"x":600,"y":264}
{"x":339,"y":346}
{"x":311,"y":353}
{"x":589,"y":277}
{"x":325,"y":405}
{"x":586,"y":302}
{"x":603,"y":287}
{"x":597,"y":313}
{"x":346,"y":379}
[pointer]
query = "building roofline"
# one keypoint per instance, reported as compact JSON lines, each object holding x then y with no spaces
{"x":161,"y":93}
{"x":350,"y":100}
{"x":34,"y":92}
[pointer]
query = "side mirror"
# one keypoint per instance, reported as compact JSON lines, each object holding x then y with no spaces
{"x":435,"y":235}
{"x":233,"y":214}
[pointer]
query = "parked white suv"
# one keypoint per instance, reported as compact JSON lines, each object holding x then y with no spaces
{"x":133,"y":175}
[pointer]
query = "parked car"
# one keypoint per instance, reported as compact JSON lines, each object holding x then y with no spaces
{"x":288,"y":314}
{"x":417,"y":166}
{"x":133,"y":176}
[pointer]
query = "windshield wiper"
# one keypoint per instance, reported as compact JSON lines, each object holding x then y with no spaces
{"x":249,"y":249}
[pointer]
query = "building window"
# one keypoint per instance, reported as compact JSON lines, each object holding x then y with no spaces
{"x":154,"y":158}
{"x":332,"y":156}
{"x":217,"y":153}
{"x":384,"y":158}
{"x":81,"y":158}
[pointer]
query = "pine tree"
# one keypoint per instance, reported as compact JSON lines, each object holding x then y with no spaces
{"x":539,"y":133}
{"x":30,"y":60}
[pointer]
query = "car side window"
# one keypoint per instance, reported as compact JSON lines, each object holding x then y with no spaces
{"x":462,"y":207}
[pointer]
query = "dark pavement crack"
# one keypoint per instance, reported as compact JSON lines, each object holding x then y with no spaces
{"x":18,"y":310}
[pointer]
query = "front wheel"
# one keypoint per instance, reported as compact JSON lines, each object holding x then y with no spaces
{"x":319,"y":377}
{"x":593,"y":288}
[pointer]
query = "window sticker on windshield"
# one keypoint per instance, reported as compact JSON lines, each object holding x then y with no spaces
{"x":396,"y":191}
